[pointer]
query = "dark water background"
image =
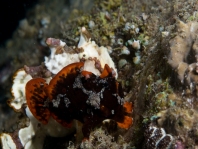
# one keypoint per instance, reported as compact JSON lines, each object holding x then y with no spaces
{"x":11,"y":12}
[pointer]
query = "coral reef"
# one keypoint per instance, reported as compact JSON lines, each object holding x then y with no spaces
{"x":151,"y":47}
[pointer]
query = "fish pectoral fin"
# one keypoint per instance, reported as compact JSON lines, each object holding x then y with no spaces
{"x":127,"y":122}
{"x":128,"y":107}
